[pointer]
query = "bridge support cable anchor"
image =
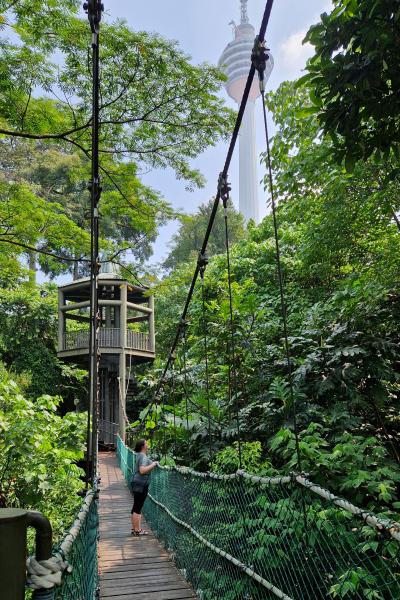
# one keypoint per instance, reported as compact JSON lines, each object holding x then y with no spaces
{"x":259,"y":59}
{"x":224,"y":189}
{"x":94,"y":9}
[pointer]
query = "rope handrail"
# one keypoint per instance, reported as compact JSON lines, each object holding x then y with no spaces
{"x":392,"y":527}
{"x":246,"y":533}
{"x":48,"y":574}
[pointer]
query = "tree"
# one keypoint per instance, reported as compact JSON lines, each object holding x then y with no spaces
{"x":156,"y":106}
{"x":156,"y":109}
{"x":340,"y":263}
{"x":38,"y":455}
{"x":186,"y":243}
{"x":30,"y":224}
{"x":59,"y":178}
{"x":354,"y":77}
{"x":28,"y":324}
{"x":346,"y":221}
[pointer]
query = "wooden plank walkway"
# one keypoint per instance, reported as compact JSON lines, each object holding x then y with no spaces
{"x":131,"y":568}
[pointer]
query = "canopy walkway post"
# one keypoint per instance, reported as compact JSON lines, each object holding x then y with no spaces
{"x":13,"y":528}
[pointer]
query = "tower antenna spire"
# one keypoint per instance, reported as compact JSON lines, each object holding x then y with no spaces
{"x":244,"y":18}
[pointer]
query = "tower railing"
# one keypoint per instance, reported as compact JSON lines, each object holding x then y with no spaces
{"x":109,"y":337}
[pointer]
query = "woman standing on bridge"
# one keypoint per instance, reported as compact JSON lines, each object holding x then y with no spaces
{"x":140,"y":485}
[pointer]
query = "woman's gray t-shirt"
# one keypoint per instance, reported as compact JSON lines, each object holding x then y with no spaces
{"x":142,"y":460}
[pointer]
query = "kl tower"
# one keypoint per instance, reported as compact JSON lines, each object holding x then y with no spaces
{"x":235,"y":62}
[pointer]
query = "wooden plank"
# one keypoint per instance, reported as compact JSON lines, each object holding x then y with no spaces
{"x":154,"y":592}
{"x":127,"y":564}
{"x":164,"y":595}
{"x":142,"y":569}
{"x":131,"y":568}
{"x":150,"y":582}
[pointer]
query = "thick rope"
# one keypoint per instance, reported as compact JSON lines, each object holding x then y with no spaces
{"x":46,"y":574}
{"x":391,"y":527}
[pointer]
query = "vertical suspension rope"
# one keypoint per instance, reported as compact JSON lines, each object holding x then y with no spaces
{"x":184,"y":325}
{"x":173,"y":396}
{"x":232,"y":381}
{"x":94,"y":9}
{"x":259,"y":60}
{"x":203,"y":263}
{"x":164,"y":442}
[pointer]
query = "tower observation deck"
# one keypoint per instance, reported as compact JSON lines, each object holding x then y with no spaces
{"x":235,"y":63}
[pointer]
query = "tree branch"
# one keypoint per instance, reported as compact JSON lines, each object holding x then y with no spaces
{"x":44,"y":136}
{"x":45,"y":252}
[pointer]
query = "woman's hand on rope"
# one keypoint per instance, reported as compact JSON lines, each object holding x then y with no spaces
{"x":144,"y":470}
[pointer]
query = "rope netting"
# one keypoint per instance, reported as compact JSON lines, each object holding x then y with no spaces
{"x":72,"y":571}
{"x":245,"y":537}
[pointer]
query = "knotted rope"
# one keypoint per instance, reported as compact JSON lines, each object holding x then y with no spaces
{"x":46,"y":574}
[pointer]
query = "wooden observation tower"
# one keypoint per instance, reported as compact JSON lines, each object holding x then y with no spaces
{"x":126,"y":338}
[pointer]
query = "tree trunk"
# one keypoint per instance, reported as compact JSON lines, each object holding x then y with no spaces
{"x":32,"y":267}
{"x":75,"y":273}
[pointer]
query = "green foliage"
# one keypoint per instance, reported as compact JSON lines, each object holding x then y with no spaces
{"x":353,"y":464}
{"x":187,"y":242}
{"x":340,"y":264}
{"x":28,"y":325}
{"x":227,"y":460}
{"x":45,"y":125}
{"x":354,"y":77}
{"x":38,"y":455}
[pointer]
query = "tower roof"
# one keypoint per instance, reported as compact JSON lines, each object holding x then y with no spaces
{"x":236,"y":58}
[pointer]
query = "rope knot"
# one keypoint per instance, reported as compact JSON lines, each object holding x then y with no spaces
{"x":259,"y":58}
{"x":184,"y":324}
{"x":46,"y":574}
{"x":202,"y":262}
{"x":224,"y":188}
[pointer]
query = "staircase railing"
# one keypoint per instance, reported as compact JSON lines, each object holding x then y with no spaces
{"x":241,"y":536}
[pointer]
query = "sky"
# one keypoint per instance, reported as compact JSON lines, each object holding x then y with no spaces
{"x":202,"y":29}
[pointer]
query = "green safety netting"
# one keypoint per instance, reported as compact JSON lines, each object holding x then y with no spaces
{"x":245,"y":537}
{"x":74,"y":559}
{"x":81,"y":582}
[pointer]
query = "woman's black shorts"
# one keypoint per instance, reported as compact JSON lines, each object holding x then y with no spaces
{"x":138,"y":501}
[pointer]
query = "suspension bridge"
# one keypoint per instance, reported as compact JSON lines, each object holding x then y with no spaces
{"x":236,"y":536}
